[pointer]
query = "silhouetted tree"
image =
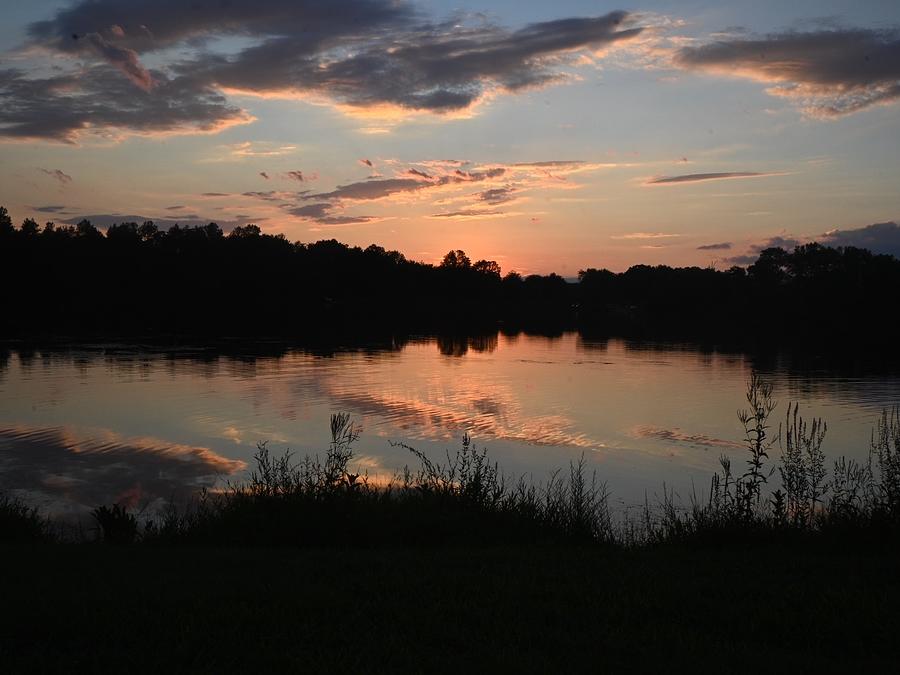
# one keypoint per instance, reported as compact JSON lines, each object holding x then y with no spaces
{"x":148,"y":231}
{"x":29,"y":227}
{"x":487,"y":267}
{"x":456,"y":260}
{"x":772,"y":266}
{"x":6,"y":223}
{"x":126,"y":233}
{"x":86,"y":230}
{"x":242,"y":232}
{"x":213,"y":231}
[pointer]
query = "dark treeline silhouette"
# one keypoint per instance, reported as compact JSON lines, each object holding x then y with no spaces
{"x":813,"y":293}
{"x":139,"y":280}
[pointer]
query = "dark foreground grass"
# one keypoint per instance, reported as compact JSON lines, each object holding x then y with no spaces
{"x":92,"y":608}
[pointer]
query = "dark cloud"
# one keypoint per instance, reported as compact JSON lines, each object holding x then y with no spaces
{"x":268,"y":195}
{"x":829,"y":72}
{"x":378,"y":189}
{"x":98,"y":99}
{"x":124,"y":59}
{"x":419,"y":174}
{"x":555,"y":163}
{"x":175,"y":208}
{"x":373,"y":189}
{"x":501,"y":185}
{"x":787,"y":243}
{"x":437,"y":68}
{"x":48,"y":209}
{"x":264,"y":175}
{"x":345,"y":220}
{"x":299,"y":176}
{"x":215,"y":194}
{"x":323,"y":213}
{"x":497,"y":196}
{"x":59,"y":175}
{"x":724,"y":246}
{"x":878,"y":238}
{"x":311,"y":211}
{"x":147,"y":25}
{"x":699,"y":177}
{"x":468,"y":213}
{"x":366,"y":162}
{"x":356,"y":53}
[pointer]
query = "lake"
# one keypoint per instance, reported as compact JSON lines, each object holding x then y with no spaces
{"x":89,"y":425}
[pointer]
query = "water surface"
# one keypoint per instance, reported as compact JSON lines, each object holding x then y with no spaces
{"x":88,"y":425}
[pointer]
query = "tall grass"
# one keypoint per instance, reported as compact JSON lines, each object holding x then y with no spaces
{"x":859,"y":498}
{"x":20,"y":523}
{"x":463,"y":499}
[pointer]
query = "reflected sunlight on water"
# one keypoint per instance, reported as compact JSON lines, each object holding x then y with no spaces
{"x":83,"y":426}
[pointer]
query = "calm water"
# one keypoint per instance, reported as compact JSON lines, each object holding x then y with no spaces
{"x":86,"y":426}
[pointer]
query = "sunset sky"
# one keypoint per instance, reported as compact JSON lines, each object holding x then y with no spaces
{"x":546,"y":136}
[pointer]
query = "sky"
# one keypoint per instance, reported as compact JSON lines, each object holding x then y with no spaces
{"x":545,"y":136}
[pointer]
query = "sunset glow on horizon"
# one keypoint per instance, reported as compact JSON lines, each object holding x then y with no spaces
{"x":549,"y":138}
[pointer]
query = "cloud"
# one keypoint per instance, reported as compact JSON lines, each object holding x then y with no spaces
{"x":828,"y":73}
{"x":374,"y":189}
{"x":419,"y":174}
{"x":48,"y":209}
{"x":437,"y":68}
{"x":646,"y":235}
{"x":724,"y":246}
{"x":468,"y":213}
{"x":299,"y":176}
{"x":312,"y":211}
{"x":97,"y":100}
{"x":59,"y":175}
{"x":124,"y":59}
{"x":264,"y":175}
{"x":274,"y":195}
{"x":152,"y":25}
{"x":177,"y":207}
{"x":700,"y":177}
{"x":322,"y":213}
{"x":496,"y":196}
{"x":444,"y":181}
{"x":878,"y":238}
{"x":787,"y":243}
{"x":381,"y":58}
{"x":252,"y":149}
{"x":882,"y":238}
{"x":367,"y":162}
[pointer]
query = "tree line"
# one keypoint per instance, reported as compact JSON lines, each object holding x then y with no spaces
{"x":140,"y":280}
